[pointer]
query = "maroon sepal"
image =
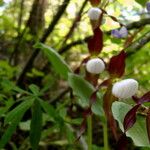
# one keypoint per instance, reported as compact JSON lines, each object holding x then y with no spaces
{"x":95,"y":2}
{"x":145,"y":98}
{"x":77,"y":70}
{"x":136,"y":99}
{"x":95,"y":43}
{"x":116,"y":66}
{"x":130,"y":117}
{"x":148,"y":124}
{"x":92,"y":78}
{"x":122,"y":143}
{"x":93,"y":97}
{"x":105,"y":83}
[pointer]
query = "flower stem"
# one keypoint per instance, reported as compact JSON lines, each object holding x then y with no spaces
{"x":89,"y":132}
{"x":105,"y":135}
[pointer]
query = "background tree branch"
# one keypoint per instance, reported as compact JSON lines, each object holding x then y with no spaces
{"x":47,"y":32}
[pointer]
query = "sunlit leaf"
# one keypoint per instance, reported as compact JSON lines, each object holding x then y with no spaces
{"x":138,"y":132}
{"x":141,"y":2}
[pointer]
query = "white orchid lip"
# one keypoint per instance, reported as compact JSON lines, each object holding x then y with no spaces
{"x":94,"y":13}
{"x":125,"y":89}
{"x":95,"y":66}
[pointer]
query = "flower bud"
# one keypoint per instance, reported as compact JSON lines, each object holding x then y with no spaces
{"x":94,"y":13}
{"x":125,"y":89}
{"x":122,"y":33}
{"x":148,"y":6}
{"x":95,"y":66}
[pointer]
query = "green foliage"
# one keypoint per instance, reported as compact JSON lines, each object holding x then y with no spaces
{"x":36,"y":125}
{"x":143,"y":2}
{"x":20,"y":109}
{"x":138,"y":132}
{"x":56,"y":117}
{"x":83,"y":89}
{"x":58,"y":63}
{"x":10,"y":130}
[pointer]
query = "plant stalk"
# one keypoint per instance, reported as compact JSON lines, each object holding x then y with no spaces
{"x":89,"y":132}
{"x":105,"y":136}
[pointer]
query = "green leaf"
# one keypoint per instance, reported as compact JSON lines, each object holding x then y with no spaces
{"x":69,"y":134}
{"x":10,"y":130}
{"x":83,"y":90}
{"x":34,"y":89}
{"x":142,"y":2}
{"x":20,"y":109}
{"x":7,"y":106}
{"x":56,"y":60}
{"x":36,"y":125}
{"x":49,"y":109}
{"x":138,"y":132}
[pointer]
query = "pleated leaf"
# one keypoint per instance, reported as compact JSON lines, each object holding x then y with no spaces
{"x":36,"y":125}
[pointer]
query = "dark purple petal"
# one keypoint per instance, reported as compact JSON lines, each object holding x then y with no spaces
{"x":130,"y":118}
{"x":116,"y":65}
{"x":95,"y":43}
{"x":148,"y":6}
{"x":95,"y":2}
{"x":136,"y":99}
{"x":145,"y":98}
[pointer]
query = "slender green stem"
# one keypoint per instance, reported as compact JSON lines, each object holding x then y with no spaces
{"x":89,"y":132}
{"x":105,"y":135}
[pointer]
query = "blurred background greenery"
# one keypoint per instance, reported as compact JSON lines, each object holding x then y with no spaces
{"x":57,"y":24}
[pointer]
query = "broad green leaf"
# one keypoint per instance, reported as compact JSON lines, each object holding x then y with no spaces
{"x":20,"y":109}
{"x":138,"y":132}
{"x":56,"y":60}
{"x":10,"y":130}
{"x":36,"y":125}
{"x":83,"y":90}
